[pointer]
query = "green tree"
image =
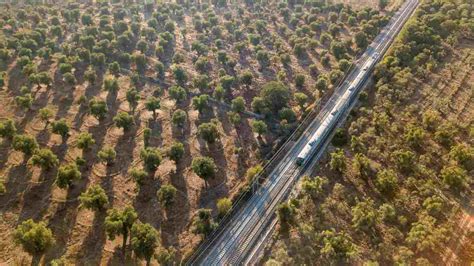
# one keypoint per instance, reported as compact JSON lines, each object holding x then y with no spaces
{"x":246,"y":78}
{"x":151,"y":158}
{"x":61,"y":128}
{"x":120,"y":222}
{"x":275,"y":95}
{"x":107,"y":155}
{"x":178,"y":93}
{"x":462,"y":153}
{"x":259,"y":127}
{"x":301,"y":99}
{"x":313,"y":186}
{"x":209,"y":132}
{"x":44,"y":115}
{"x":44,"y":158}
{"x":360,"y":39}
{"x":35,"y":238}
{"x":7,"y":128}
{"x":133,"y":96}
{"x":405,"y":160}
{"x":238,"y":104}
{"x":383,"y":4}
{"x":180,"y":74}
{"x":204,"y":167}
{"x":201,"y":103}
{"x":94,"y":198}
{"x":224,"y":205}
{"x":176,"y":151}
{"x":85,"y":141}
{"x":144,"y":241}
{"x":425,"y":234}
{"x":67,"y":174}
{"x":25,"y":143}
{"x":98,"y":108}
{"x":338,"y":161}
{"x":138,"y":175}
{"x":203,"y":223}
{"x":152,"y":104}
{"x":387,"y":182}
{"x":364,"y":216}
{"x":455,"y":177}
{"x":111,"y":84}
{"x":166,"y":195}
{"x":179,"y":118}
{"x":337,"y":246}
{"x":124,"y":120}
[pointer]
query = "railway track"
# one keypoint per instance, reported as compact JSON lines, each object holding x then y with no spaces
{"x":240,"y":241}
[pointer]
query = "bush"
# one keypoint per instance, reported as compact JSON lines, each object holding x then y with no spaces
{"x":67,"y":174}
{"x":124,"y":120}
{"x":98,"y":108}
{"x":203,"y":223}
{"x":224,"y":206}
{"x":7,"y":128}
{"x":176,"y":151}
{"x":340,"y":138}
{"x":61,"y":128}
{"x":94,"y":198}
{"x":144,"y":241}
{"x":25,"y":143}
{"x":259,"y":127}
{"x":107,"y":155}
{"x":178,"y":93}
{"x":35,"y":238}
{"x":151,"y":158}
{"x":85,"y":140}
{"x":166,"y":195}
{"x":209,"y":132}
{"x":204,"y":167}
{"x":44,"y":158}
{"x":238,"y":104}
{"x":275,"y":95}
{"x":299,"y":80}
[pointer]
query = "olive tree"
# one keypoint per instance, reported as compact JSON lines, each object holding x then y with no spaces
{"x":45,"y":159}
{"x":166,"y":195}
{"x":204,"y":167}
{"x":152,"y":104}
{"x":120,"y":222}
{"x":151,"y":158}
{"x":209,"y":132}
{"x":35,"y":238}
{"x":94,"y":198}
{"x":25,"y":143}
{"x":144,"y":241}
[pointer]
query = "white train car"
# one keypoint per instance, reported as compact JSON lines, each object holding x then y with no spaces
{"x":331,"y":119}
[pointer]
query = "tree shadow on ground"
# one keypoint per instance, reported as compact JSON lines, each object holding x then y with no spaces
{"x":93,"y":245}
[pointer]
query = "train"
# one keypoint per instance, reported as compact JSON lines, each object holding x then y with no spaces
{"x":330,"y":120}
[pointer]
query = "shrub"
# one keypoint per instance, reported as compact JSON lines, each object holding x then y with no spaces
{"x":44,"y":158}
{"x":94,"y":198}
{"x":204,"y":167}
{"x":107,"y":155}
{"x":124,"y":120}
{"x":151,"y":158}
{"x":176,"y":151}
{"x":35,"y":238}
{"x":166,"y":195}
{"x":25,"y":143}
{"x":7,"y":128}
{"x":67,"y":174}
